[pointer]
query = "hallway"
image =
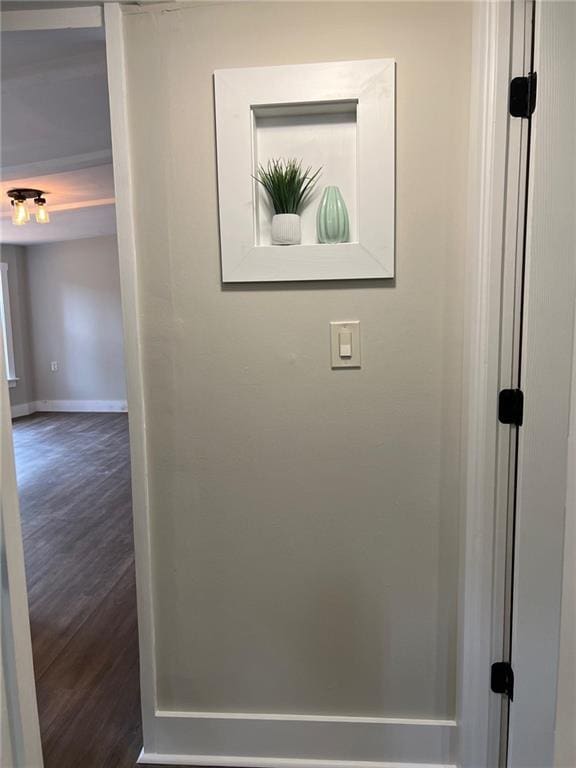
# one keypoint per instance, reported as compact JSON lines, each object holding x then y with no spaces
{"x":75,"y":500}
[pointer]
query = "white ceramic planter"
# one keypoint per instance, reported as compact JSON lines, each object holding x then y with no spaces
{"x":286,"y":229}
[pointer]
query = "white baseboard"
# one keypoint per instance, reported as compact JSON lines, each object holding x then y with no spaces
{"x":78,"y":406}
{"x":69,"y":406}
{"x":241,"y":740}
{"x":149,"y":758}
{"x":23,"y":409}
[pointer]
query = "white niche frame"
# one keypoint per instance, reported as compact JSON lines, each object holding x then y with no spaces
{"x":242,"y":94}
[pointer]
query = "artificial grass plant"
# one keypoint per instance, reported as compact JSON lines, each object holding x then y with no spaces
{"x":289,"y":187}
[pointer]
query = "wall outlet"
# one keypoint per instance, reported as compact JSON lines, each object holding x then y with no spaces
{"x":54,"y":365}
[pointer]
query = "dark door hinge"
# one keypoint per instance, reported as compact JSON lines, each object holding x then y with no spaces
{"x":511,"y":407}
{"x":522,"y":101}
{"x":502,"y":678}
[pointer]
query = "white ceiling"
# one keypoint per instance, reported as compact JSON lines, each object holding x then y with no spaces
{"x":81,"y":205}
{"x":56,"y":131}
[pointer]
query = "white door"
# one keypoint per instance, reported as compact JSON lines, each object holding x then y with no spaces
{"x":20,"y":732}
{"x":545,"y":377}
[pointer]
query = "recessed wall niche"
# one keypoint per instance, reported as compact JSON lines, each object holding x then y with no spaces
{"x":338,"y":116}
{"x":321,"y":135}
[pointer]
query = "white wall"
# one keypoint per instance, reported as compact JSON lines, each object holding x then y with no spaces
{"x":76,"y":321}
{"x":304,"y":521}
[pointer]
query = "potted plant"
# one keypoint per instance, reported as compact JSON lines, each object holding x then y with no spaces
{"x":289,"y":188}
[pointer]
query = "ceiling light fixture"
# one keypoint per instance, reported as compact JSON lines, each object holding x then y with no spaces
{"x":20,"y":212}
{"x":42,"y":216}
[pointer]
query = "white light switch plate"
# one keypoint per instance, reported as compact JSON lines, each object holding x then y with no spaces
{"x":342,"y":335}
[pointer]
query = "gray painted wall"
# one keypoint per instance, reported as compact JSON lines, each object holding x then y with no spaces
{"x":304,"y":521}
{"x":76,"y":320}
{"x":15,"y":257}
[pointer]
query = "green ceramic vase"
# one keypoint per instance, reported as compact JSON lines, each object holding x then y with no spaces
{"x":332,"y":224}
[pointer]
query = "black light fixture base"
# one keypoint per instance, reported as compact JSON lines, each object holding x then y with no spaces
{"x":22,"y":193}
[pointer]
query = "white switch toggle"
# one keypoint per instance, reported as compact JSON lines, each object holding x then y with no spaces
{"x":345,"y":344}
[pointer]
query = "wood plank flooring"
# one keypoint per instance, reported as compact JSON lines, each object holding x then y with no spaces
{"x":75,"y":499}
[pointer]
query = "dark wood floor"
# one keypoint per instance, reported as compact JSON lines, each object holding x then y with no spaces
{"x":74,"y":484}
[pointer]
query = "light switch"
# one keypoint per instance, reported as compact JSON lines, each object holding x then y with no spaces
{"x":345,"y":344}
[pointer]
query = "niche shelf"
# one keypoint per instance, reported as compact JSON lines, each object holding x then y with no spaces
{"x":338,"y":115}
{"x":322,"y":135}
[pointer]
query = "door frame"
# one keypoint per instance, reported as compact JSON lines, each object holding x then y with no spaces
{"x":549,"y":277}
{"x":502,"y":562}
{"x":128,"y":264}
{"x":19,"y":725}
{"x":478,"y":710}
{"x":498,"y":166}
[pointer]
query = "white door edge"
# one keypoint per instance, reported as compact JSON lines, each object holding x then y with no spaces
{"x":20,"y":737}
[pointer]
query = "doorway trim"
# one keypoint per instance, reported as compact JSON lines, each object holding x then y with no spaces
{"x":128,"y":263}
{"x":497,"y":166}
{"x":19,"y":725}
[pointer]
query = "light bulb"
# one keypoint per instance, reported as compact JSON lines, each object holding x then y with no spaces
{"x":20,"y":212}
{"x":42,"y":216}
